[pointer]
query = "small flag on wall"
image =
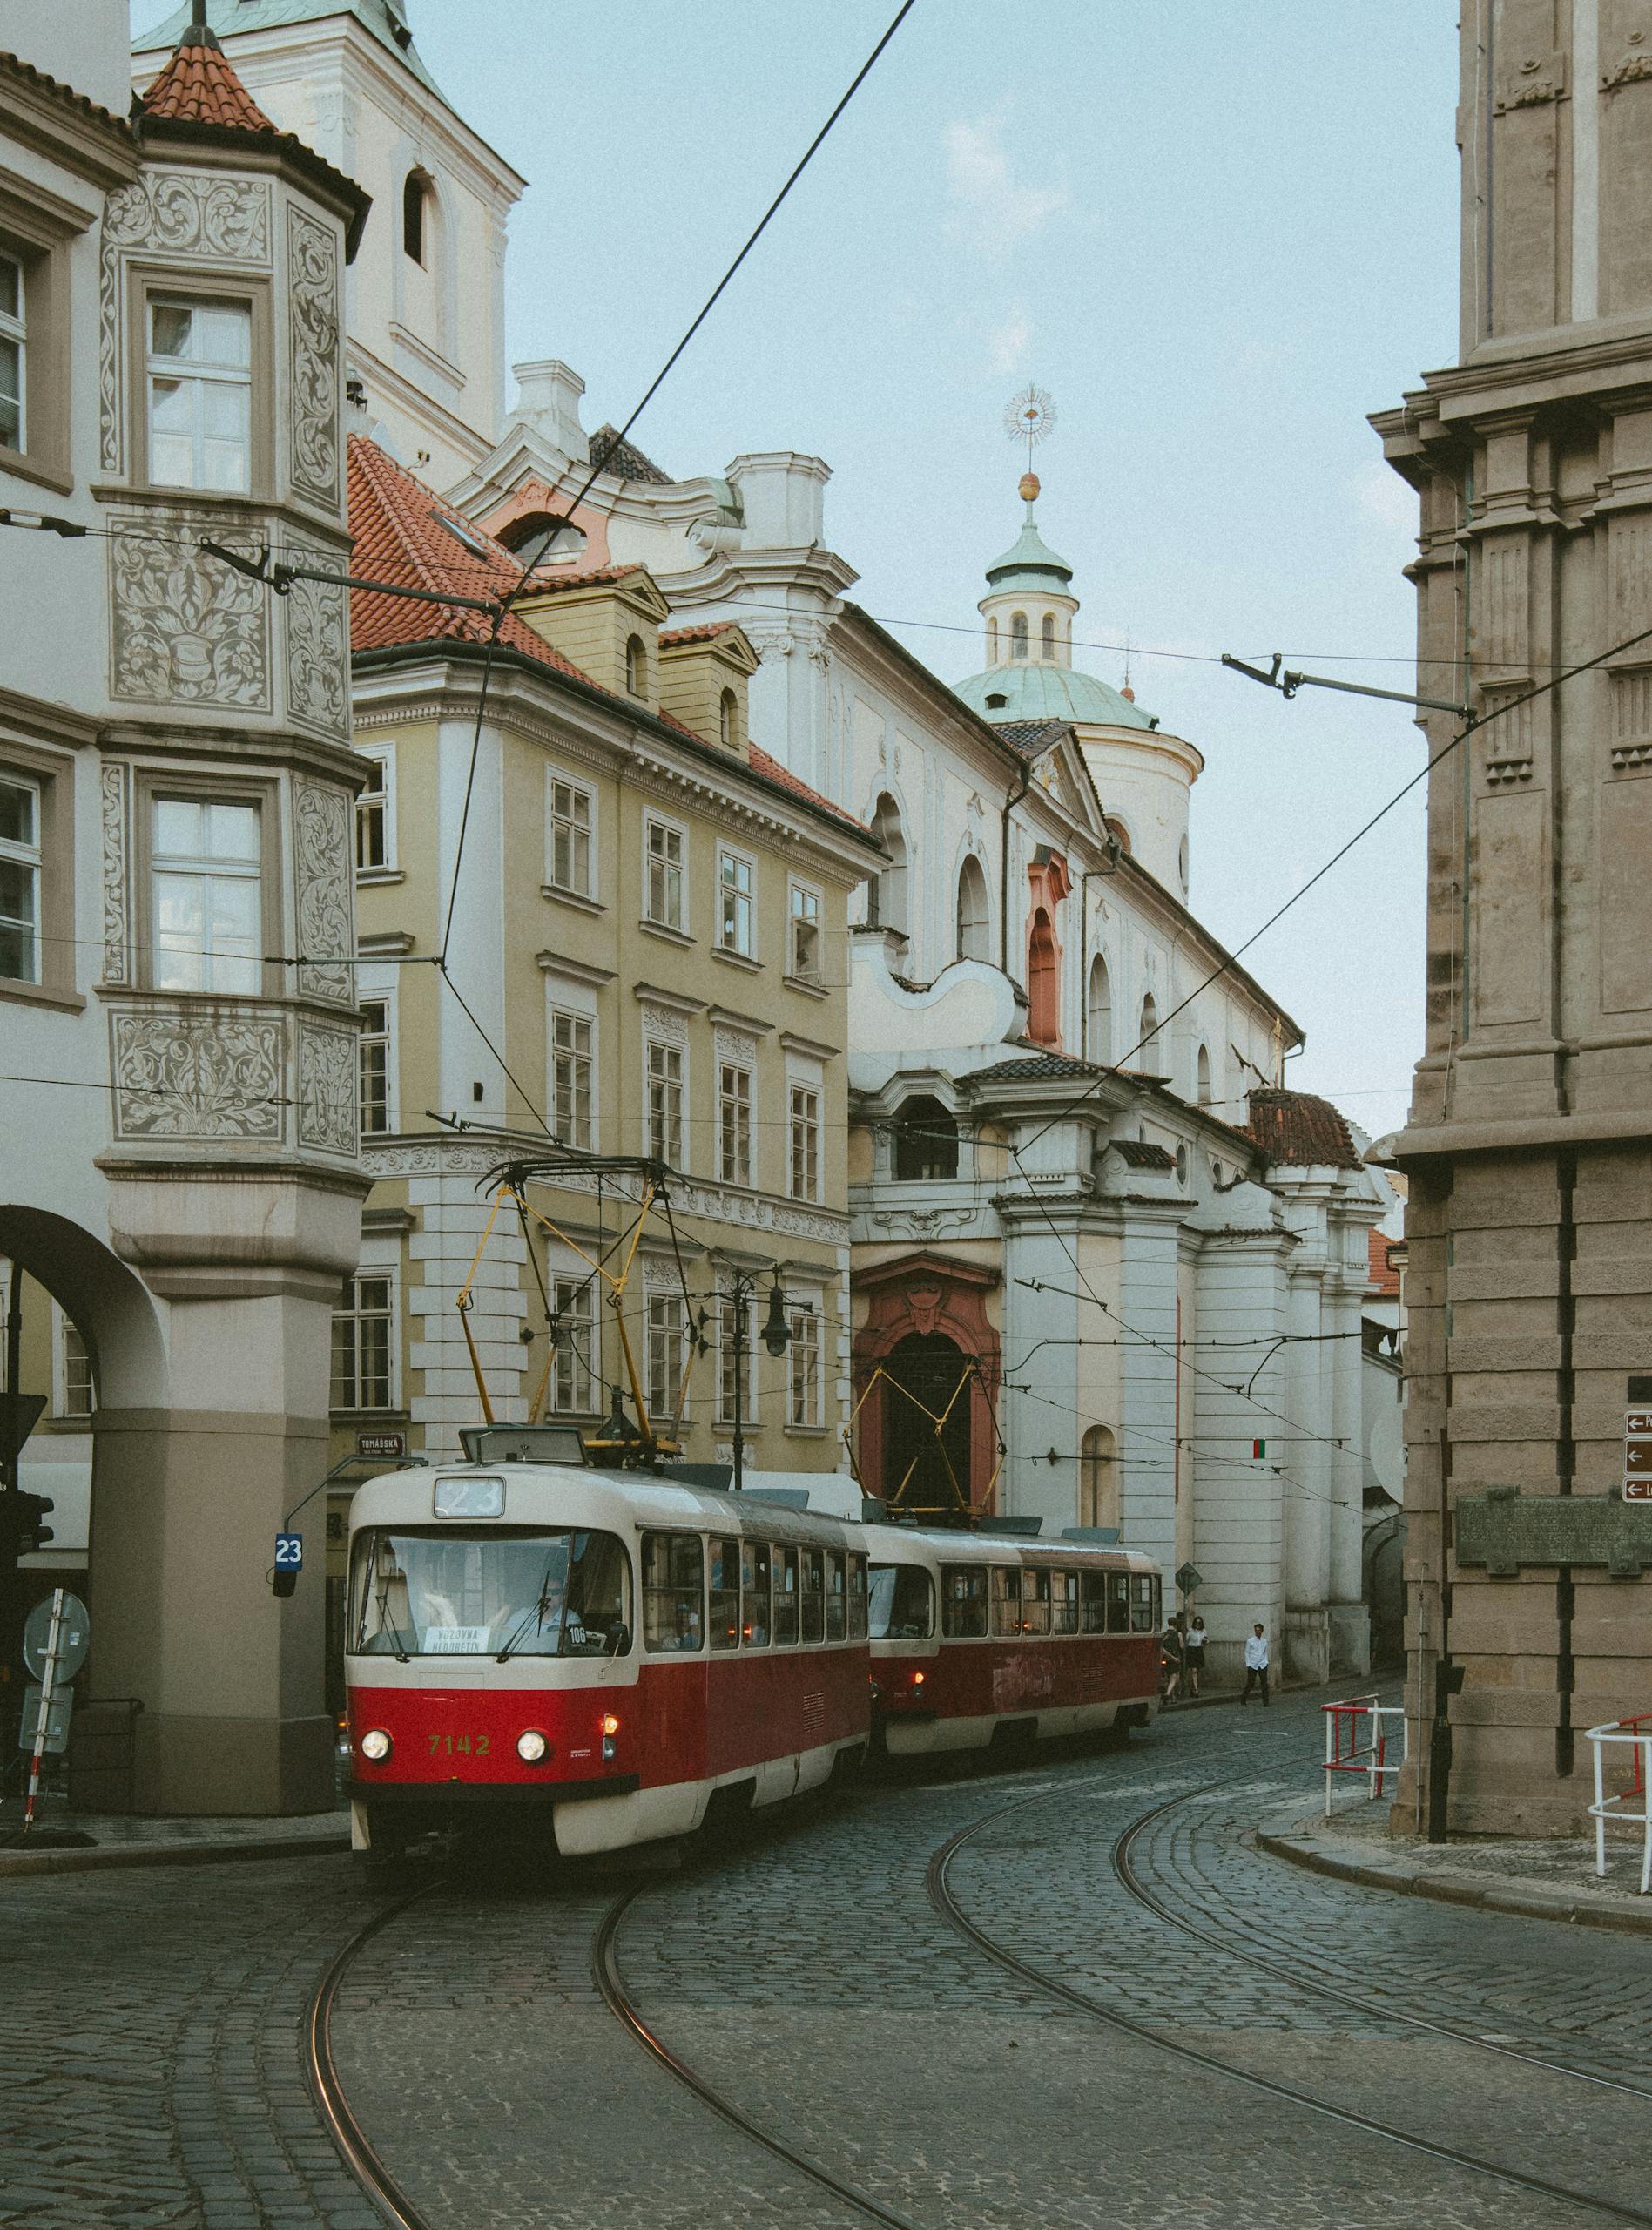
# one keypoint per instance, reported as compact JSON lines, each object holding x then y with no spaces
{"x":1259,"y":1448}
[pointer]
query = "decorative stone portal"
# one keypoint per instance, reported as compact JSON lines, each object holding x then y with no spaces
{"x":927,"y":1365}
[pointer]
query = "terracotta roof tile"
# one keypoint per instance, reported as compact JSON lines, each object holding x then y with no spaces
{"x":672,"y":636}
{"x":548,"y":584}
{"x":1295,"y":1130}
{"x":200,"y":85}
{"x":1142,"y":1153}
{"x":403,"y":533}
{"x":14,"y":64}
{"x":1383,"y":1275}
{"x":624,"y":459}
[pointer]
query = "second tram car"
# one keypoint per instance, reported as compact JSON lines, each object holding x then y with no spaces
{"x":977,"y":1635}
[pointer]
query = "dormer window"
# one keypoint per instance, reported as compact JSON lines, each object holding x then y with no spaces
{"x":1018,"y":634}
{"x":636,"y":666}
{"x":413,"y":199}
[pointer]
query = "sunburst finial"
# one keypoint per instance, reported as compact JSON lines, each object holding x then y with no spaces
{"x":1029,"y":417}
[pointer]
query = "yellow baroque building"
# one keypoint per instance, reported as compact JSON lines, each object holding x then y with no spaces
{"x":644,"y":955}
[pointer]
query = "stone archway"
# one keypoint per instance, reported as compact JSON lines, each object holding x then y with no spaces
{"x":928,"y":1326}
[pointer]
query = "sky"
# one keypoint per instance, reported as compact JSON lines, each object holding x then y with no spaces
{"x":1217,"y":232}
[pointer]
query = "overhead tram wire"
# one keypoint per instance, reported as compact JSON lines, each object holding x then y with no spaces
{"x":547,"y":534}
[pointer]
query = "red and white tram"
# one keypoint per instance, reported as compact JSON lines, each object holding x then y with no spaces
{"x":976,"y":1636}
{"x":615,"y":1654}
{"x":609,"y":1650}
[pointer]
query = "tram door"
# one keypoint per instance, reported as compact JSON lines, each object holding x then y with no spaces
{"x":928,"y":1372}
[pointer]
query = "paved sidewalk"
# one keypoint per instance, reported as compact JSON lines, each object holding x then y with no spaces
{"x":1546,"y":1879}
{"x":125,"y":1840}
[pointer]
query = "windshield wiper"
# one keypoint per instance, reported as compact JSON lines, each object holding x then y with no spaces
{"x":536,"y":1612}
{"x":388,"y":1623}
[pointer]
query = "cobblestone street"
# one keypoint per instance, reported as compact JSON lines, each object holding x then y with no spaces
{"x":810,"y":1976}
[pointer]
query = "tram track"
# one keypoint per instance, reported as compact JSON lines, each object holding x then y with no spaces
{"x":941,"y":1896}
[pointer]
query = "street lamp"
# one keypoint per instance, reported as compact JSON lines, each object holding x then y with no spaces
{"x":777,"y":1338}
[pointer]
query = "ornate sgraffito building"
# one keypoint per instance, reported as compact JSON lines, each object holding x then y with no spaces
{"x":1528,"y":1230}
{"x":176,"y":797}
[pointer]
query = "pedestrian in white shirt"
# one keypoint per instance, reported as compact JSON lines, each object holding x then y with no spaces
{"x":1255,"y":1663}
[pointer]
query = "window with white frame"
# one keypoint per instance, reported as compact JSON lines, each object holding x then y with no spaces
{"x":571,"y":1056}
{"x":76,"y":1396}
{"x":803,"y":1359}
{"x":728,"y":1358}
{"x":665,"y":1067}
{"x":572,"y":825}
{"x":666,"y":1334}
{"x":205,"y":866}
{"x":20,"y":867}
{"x":363,"y":1331}
{"x":200,"y":393}
{"x":737,"y":911}
{"x":805,"y":1171}
{"x":663,"y":895}
{"x":734,"y":1123}
{"x":13,"y":343}
{"x":376,"y":816}
{"x":375,"y":1064}
{"x":574,"y":1374}
{"x":805,"y":956}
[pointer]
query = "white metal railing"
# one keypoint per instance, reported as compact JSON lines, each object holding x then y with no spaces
{"x":1635,"y":1736}
{"x":1357,"y":1742}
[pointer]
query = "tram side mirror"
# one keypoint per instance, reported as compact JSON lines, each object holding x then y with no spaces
{"x":619,"y":1641}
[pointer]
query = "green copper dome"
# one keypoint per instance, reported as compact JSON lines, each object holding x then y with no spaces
{"x":1035,"y":689}
{"x":1030,"y":563}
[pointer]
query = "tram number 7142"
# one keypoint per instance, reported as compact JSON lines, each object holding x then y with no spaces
{"x":461,"y":1745}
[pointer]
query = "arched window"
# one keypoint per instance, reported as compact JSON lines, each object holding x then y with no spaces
{"x":636,"y":666}
{"x":1098,"y":1478}
{"x":539,"y":539}
{"x":413,"y":191}
{"x":1148,"y":1029}
{"x":1018,"y":634}
{"x":1204,"y":1076}
{"x":973,"y":934}
{"x":1098,"y":1013}
{"x":1049,"y":635}
{"x":926,"y":1140}
{"x":886,"y":897}
{"x":991,"y":642}
{"x":1043,"y":984}
{"x":728,"y":720}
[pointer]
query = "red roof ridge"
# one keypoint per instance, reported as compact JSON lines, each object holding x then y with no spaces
{"x":66,"y":94}
{"x":701,"y":634}
{"x":201,"y":84}
{"x":555,"y":583}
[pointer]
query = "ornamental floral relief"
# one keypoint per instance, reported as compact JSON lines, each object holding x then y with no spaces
{"x":184,"y":629}
{"x":312,"y":325}
{"x":317,"y":656}
{"x":321,"y":865}
{"x":198,"y":1076}
{"x":329,"y":1113}
{"x":117,"y":967}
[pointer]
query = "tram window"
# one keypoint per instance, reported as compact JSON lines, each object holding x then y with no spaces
{"x":489,"y":1594}
{"x":1035,"y":1602}
{"x":1063,"y":1602}
{"x":963,"y":1602}
{"x":813,"y":1594}
{"x":1095,"y":1589}
{"x":902,"y":1603}
{"x":725,"y":1594}
{"x":1006,"y":1598}
{"x":1118,"y":1602}
{"x":754,"y":1594}
{"x":1158,"y":1611}
{"x":1144,"y":1616}
{"x":673,"y":1582}
{"x":857,"y":1598}
{"x":784,"y":1562}
{"x":837,"y":1601}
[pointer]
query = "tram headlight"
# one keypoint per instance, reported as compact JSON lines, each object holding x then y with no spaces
{"x":610,"y":1728}
{"x":375,"y":1745}
{"x":531,"y":1747}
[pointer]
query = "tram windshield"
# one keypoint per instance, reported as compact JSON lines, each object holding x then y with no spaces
{"x":458,"y":1593}
{"x":902,"y":1606}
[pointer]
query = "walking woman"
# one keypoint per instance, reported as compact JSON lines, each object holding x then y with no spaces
{"x":1193,"y":1655}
